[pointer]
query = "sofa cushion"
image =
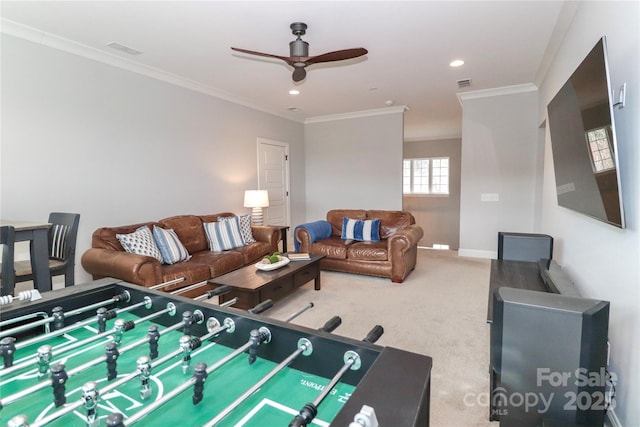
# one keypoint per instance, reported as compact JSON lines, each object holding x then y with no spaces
{"x":367,"y":230}
{"x":224,"y":235}
{"x":140,"y":242}
{"x":333,"y":247}
{"x":169,"y":244}
{"x":391,"y":221}
{"x":254,"y":252}
{"x":189,"y":230}
{"x":218,"y":262}
{"x":368,"y":251}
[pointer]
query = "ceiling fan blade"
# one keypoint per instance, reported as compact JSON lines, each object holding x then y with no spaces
{"x":338,"y":55}
{"x":299,"y":73}
{"x":268,"y":55}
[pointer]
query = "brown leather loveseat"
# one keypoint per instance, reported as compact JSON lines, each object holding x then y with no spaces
{"x":393,"y":256}
{"x":108,"y":258}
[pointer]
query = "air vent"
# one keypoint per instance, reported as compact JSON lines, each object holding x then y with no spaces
{"x":123,"y":48}
{"x":464,"y":83}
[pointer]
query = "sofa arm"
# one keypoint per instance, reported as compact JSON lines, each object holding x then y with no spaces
{"x":403,"y":251}
{"x":138,"y":269}
{"x":268,"y":234}
{"x":306,"y":234}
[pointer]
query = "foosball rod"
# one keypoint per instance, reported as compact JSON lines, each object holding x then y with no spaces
{"x":228,"y":326}
{"x":124,"y":296}
{"x":32,"y":359}
{"x":146,"y":303}
{"x":46,"y":383}
{"x":351,"y":361}
{"x":168,"y":283}
{"x":189,"y":288}
{"x":304,"y":347}
{"x":333,"y":323}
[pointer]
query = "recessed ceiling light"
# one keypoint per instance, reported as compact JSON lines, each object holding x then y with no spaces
{"x":456,"y":63}
{"x":294,"y":92}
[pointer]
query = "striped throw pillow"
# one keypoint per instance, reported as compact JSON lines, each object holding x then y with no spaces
{"x":224,"y":235}
{"x":362,"y":230}
{"x":245,"y":227}
{"x":170,"y":246}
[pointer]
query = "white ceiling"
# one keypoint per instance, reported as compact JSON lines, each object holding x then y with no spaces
{"x":410,"y":45}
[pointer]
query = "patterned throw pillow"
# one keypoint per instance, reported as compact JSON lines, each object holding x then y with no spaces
{"x":140,"y":242}
{"x":170,"y":246}
{"x":362,"y":230}
{"x":224,"y":235}
{"x":245,"y":227}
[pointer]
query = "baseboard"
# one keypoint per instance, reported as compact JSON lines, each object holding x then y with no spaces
{"x":613,"y":419}
{"x":475,"y":253}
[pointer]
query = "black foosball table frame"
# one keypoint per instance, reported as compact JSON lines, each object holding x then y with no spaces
{"x":395,"y":383}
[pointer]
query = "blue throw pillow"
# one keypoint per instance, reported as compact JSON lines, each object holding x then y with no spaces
{"x":170,"y":246}
{"x":362,"y":230}
{"x":224,"y":235}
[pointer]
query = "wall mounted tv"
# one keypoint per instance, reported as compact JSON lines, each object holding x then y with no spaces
{"x":583,"y":141}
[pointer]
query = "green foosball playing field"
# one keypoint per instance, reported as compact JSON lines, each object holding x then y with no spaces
{"x":275,"y":403}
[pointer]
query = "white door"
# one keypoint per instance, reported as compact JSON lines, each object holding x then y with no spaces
{"x":273,"y":176}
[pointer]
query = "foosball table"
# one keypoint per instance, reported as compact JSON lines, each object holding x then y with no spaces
{"x":117,"y":354}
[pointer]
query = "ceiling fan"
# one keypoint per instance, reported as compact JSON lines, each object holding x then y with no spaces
{"x":299,"y":57}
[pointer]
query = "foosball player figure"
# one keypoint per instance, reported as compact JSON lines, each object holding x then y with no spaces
{"x":44,"y":360}
{"x":18,"y":421}
{"x":104,"y":315}
{"x":90,"y":396}
{"x":115,"y":419}
{"x":153,"y":335}
{"x":200,"y":375}
{"x":111,"y":355}
{"x":59,"y":378}
{"x":185,"y":345}
{"x":58,"y":317}
{"x":8,"y":350}
{"x":187,"y":321}
{"x":144,"y":370}
{"x":118,"y":327}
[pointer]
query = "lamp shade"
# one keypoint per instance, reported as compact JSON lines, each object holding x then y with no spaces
{"x":256,"y":199}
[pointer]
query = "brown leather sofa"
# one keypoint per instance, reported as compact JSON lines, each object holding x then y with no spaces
{"x":107,"y":257}
{"x":394,"y":256}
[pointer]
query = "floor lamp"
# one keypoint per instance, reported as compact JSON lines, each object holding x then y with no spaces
{"x":256,"y":200}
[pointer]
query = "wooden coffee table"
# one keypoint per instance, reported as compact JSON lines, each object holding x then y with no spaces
{"x":252,"y":286}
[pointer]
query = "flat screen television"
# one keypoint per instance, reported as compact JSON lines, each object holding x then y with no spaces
{"x":583,"y":141}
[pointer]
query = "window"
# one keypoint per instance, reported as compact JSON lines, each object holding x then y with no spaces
{"x":425,"y":176}
{"x":600,"y":150}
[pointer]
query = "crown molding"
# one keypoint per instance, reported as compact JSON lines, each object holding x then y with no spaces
{"x":66,"y":45}
{"x":357,"y":114}
{"x":498,"y":91}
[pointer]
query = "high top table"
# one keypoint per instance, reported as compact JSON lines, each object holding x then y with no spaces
{"x":36,"y":234}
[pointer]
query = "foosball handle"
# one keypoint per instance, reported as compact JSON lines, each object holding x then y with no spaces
{"x":306,"y":415}
{"x":331,"y":324}
{"x":374,"y":334}
{"x":263,"y":306}
{"x":218,"y":291}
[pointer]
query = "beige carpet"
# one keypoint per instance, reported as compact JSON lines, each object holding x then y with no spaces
{"x":440,"y":311}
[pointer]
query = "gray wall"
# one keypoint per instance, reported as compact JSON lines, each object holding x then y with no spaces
{"x":602,"y":259}
{"x":499,"y":156}
{"x":120,"y":148}
{"x":439,"y":216}
{"x":354,"y":163}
